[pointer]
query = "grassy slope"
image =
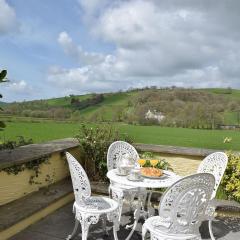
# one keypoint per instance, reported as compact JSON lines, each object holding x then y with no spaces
{"x":111,"y":101}
{"x":64,"y":101}
{"x":109,"y":104}
{"x":222,"y":91}
{"x":41,"y":132}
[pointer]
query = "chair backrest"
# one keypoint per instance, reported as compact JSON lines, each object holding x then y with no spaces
{"x":80,"y":181}
{"x":215,"y":164}
{"x":184,"y":204}
{"x":117,"y":150}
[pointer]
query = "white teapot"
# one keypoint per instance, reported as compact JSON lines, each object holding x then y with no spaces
{"x":125,"y":164}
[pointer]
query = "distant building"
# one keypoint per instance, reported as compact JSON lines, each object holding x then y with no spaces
{"x":154,"y":115}
{"x":229,"y":127}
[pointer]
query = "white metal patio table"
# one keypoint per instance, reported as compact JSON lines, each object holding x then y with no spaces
{"x":165,"y":181}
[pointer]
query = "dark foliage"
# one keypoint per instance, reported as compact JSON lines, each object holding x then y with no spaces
{"x":21,"y":141}
{"x":3,"y":75}
{"x":77,"y":104}
{"x":94,"y":143}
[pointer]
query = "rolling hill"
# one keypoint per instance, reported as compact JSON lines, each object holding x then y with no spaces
{"x":115,"y":102}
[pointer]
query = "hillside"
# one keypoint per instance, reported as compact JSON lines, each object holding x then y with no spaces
{"x":227,"y":92}
{"x":108,"y":106}
{"x":131,"y":106}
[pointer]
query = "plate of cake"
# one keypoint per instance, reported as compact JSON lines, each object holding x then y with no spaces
{"x":151,"y":172}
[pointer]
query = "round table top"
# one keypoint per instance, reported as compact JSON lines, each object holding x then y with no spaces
{"x":163,"y":182}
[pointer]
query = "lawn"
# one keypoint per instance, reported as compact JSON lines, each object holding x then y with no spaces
{"x":41,"y":132}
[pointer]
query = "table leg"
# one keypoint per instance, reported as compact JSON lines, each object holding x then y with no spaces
{"x":150,"y":209}
{"x":136,"y":219}
{"x":137,"y":214}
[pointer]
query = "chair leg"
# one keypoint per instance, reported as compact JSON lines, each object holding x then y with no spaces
{"x":74,"y":232}
{"x":113,"y":217}
{"x":86,"y":220}
{"x":85,"y":228}
{"x":144,"y":231}
{"x":115,"y":228}
{"x":210,"y":229}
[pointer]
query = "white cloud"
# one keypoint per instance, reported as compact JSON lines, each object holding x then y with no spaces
{"x":19,"y":87}
{"x":93,"y":8}
{"x":183,"y":43}
{"x":8,"y":21}
{"x":91,"y":78}
{"x":71,"y":49}
{"x":16,"y":90}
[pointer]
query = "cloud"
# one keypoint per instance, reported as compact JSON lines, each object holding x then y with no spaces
{"x":184,"y":43}
{"x":19,"y":87}
{"x":16,"y":90}
{"x":76,"y":52}
{"x":93,"y":8}
{"x":92,"y":78}
{"x":8,"y":20}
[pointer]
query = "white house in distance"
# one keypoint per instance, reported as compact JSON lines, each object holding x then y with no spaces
{"x":154,"y":115}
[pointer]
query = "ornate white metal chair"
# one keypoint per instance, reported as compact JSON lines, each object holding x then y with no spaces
{"x":182,"y":209}
{"x":121,"y":192}
{"x":88,"y":210}
{"x":215,"y":164}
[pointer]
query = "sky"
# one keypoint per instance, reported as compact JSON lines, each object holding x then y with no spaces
{"x":54,"y":48}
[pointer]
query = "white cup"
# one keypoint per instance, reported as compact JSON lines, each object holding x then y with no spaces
{"x":124,"y":169}
{"x":135,"y":173}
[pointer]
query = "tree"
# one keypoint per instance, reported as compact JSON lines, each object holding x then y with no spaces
{"x":3,"y":75}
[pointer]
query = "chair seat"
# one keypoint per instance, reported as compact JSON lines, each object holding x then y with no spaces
{"x":97,"y":205}
{"x":159,"y":227}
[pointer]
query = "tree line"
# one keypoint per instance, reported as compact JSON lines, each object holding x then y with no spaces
{"x":187,"y":108}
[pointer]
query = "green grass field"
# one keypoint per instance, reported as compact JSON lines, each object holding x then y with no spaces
{"x":235,"y":93}
{"x":41,"y":132}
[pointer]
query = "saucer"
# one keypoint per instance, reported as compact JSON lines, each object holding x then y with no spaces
{"x":130,"y":178}
{"x":121,"y":174}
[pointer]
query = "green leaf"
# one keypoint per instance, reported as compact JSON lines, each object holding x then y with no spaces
{"x":3,"y":74}
{"x":2,"y":124}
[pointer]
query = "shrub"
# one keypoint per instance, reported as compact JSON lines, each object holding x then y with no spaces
{"x":95,"y":99}
{"x":21,"y":141}
{"x":94,"y":143}
{"x":231,"y":178}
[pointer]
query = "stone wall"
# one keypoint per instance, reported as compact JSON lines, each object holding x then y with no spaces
{"x":184,"y":161}
{"x":14,"y":186}
{"x":182,"y":165}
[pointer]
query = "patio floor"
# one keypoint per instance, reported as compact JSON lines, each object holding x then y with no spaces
{"x":59,"y":224}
